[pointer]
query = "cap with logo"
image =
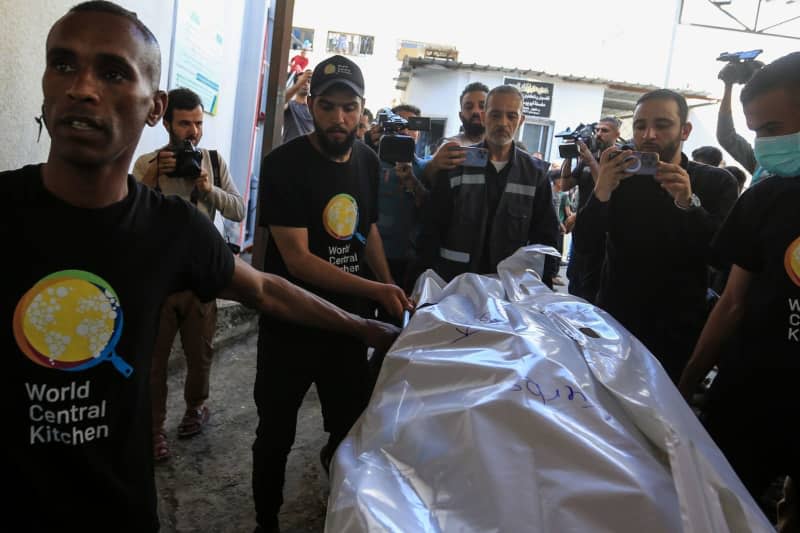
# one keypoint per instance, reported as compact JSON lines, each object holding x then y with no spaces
{"x":337,"y":70}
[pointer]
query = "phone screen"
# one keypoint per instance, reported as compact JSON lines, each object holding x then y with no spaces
{"x":475,"y":157}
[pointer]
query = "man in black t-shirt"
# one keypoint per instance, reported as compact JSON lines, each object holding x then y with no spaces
{"x":753,"y":406}
{"x":319,"y":201}
{"x":96,"y":254}
{"x":657,"y":231}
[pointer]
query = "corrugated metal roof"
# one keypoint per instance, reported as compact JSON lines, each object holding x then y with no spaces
{"x":409,"y":64}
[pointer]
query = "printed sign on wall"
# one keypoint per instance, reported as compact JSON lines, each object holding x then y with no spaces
{"x":197,"y":56}
{"x":537,"y":97}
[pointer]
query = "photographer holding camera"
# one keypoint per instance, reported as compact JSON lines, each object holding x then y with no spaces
{"x":401,"y":194}
{"x":583,"y":271}
{"x":201,"y":177}
{"x":657,"y":229}
{"x":736,"y":71}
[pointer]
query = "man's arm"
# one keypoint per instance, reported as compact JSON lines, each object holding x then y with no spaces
{"x":292,"y":91}
{"x":592,"y":224}
{"x":718,"y":193}
{"x":226,"y":198}
{"x":720,"y":325}
{"x":732,"y":142}
{"x":302,"y":264}
{"x":277,"y":297}
{"x":149,"y":166}
{"x":447,"y":157}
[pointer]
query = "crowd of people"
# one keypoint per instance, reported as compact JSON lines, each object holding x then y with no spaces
{"x":112,"y":266}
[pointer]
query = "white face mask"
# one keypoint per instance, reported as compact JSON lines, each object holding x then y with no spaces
{"x":779,"y":155}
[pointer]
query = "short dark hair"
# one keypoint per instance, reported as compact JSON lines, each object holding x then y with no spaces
{"x":369,"y":114}
{"x":612,"y":120}
{"x":475,"y":86}
{"x":504,"y":89}
{"x":710,"y":155}
{"x":739,"y":174}
{"x":408,"y":108}
{"x":667,"y":94}
{"x":783,"y":73}
{"x":181,"y":98}
{"x":102,"y":6}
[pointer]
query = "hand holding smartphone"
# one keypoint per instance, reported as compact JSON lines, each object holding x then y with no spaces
{"x":474,"y":156}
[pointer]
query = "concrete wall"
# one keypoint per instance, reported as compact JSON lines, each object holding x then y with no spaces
{"x":22,"y":46}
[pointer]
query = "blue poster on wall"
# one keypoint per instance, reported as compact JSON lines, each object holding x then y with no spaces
{"x":198,"y":50}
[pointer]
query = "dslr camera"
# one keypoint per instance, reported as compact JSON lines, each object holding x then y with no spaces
{"x":187,"y":161}
{"x":741,"y":66}
{"x":584,"y":133}
{"x":392,"y":146}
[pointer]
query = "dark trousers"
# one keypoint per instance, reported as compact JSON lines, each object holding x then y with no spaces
{"x":752,"y":417}
{"x":290,"y":359}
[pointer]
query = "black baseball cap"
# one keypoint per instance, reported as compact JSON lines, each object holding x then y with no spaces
{"x":337,"y":70}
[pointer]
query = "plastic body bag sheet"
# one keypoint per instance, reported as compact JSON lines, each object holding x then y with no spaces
{"x":506,"y":407}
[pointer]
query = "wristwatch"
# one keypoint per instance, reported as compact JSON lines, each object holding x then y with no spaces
{"x":694,"y":201}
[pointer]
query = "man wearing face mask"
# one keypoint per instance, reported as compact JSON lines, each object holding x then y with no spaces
{"x":761,"y":301}
{"x":657,"y":231}
{"x":211,"y":191}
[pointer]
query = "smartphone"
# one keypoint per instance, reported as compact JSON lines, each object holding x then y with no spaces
{"x":475,"y":157}
{"x":642,"y":163}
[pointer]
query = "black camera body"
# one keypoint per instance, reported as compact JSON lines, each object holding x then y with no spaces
{"x":741,"y":66}
{"x":188,"y":161}
{"x":584,"y":133}
{"x":393,"y":147}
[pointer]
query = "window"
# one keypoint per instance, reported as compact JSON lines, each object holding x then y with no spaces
{"x":535,"y":135}
{"x":350,"y":44}
{"x":303,"y":38}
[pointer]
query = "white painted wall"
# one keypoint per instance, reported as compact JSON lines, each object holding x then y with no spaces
{"x":22,"y":47}
{"x":436,"y":92}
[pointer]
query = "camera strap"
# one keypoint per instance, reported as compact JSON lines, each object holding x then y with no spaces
{"x":218,"y":183}
{"x":215,"y":167}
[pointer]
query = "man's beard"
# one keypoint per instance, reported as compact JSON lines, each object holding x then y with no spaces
{"x":175,"y":141}
{"x":333,"y":148}
{"x":472,"y":129}
{"x":666,"y":153}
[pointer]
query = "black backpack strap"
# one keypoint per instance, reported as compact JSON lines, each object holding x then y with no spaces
{"x":215,"y":167}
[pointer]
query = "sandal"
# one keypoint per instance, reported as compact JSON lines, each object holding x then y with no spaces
{"x":193,"y":422}
{"x":160,"y":447}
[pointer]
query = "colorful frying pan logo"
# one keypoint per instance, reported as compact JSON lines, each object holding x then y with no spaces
{"x":340,"y":218}
{"x":792,"y":261}
{"x":70,"y":320}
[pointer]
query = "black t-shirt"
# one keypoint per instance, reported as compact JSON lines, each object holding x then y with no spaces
{"x":80,"y":300}
{"x":335,"y":202}
{"x":762,"y":236}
